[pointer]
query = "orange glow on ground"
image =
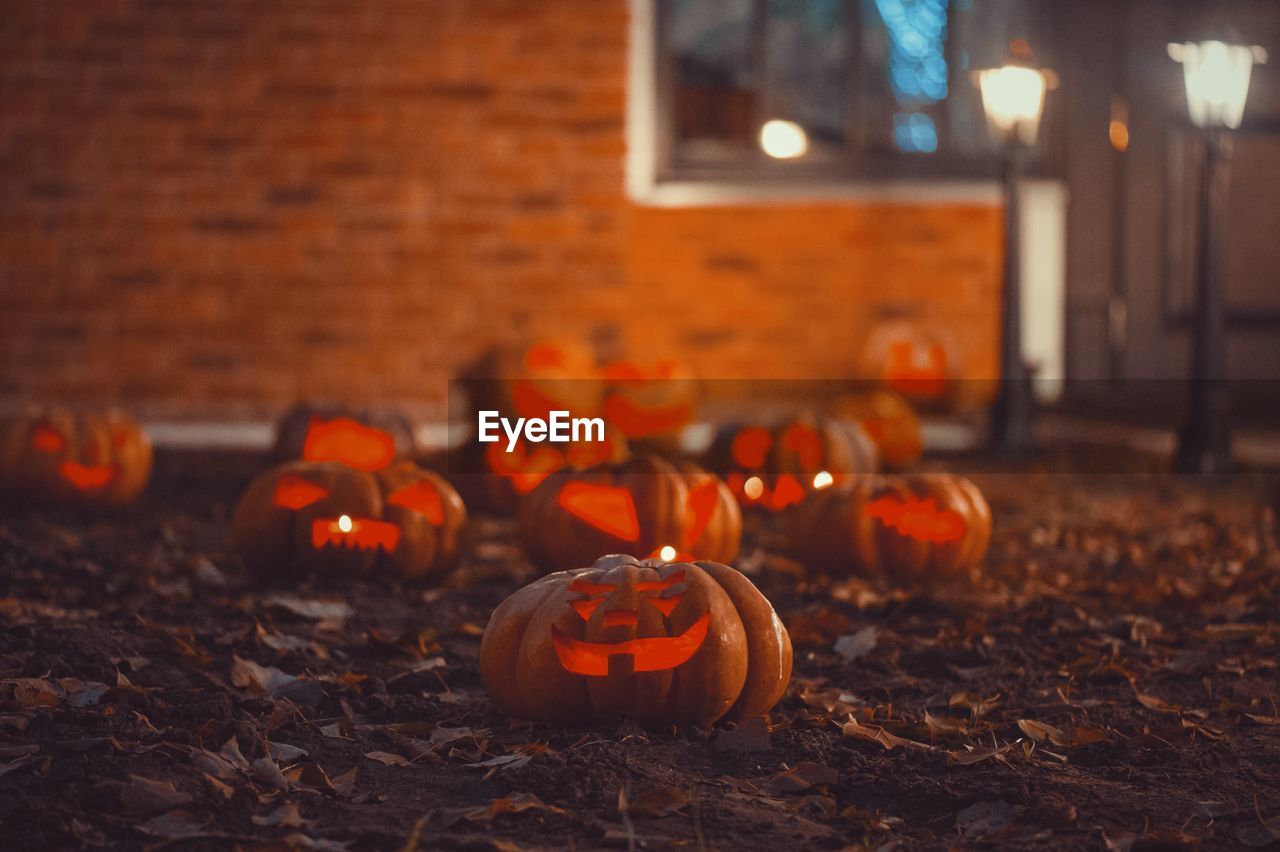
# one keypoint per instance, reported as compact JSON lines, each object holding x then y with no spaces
{"x":294,"y":492}
{"x":353,"y":444}
{"x":364,"y":533}
{"x":918,"y":519}
{"x":420,"y":497}
{"x":607,"y":508}
{"x":87,"y":477}
{"x":654,"y":654}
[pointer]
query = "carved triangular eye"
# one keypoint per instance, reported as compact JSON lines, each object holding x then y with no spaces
{"x":420,"y":497}
{"x":607,"y":508}
{"x":47,"y":439}
{"x":294,"y":492}
{"x":751,"y":447}
{"x":349,"y":442}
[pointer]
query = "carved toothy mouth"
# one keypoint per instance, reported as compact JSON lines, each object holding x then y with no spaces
{"x":354,"y":533}
{"x":651,"y":654}
{"x":88,"y":476}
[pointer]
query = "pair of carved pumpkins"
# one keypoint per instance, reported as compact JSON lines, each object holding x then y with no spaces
{"x":775,"y":467}
{"x":903,"y":528}
{"x":60,"y":456}
{"x":647,"y":505}
{"x":337,"y":519}
{"x":671,"y":643}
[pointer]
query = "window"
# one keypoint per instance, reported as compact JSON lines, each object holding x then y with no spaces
{"x":763,"y":90}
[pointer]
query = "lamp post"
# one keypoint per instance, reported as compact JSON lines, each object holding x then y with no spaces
{"x":1013,"y":99}
{"x":1216,"y":75}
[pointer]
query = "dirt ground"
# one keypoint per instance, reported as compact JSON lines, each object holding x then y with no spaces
{"x":1109,"y":683}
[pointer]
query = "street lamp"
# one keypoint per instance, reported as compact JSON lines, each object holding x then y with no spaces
{"x":1013,"y":99}
{"x":1216,"y":75}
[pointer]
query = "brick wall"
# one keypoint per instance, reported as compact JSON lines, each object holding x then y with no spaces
{"x":210,"y":209}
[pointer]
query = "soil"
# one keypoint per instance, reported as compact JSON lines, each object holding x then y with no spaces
{"x":1109,"y":681}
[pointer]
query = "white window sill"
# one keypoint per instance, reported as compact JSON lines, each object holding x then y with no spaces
{"x":709,"y":194}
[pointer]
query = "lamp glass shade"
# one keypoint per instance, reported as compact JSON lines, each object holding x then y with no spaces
{"x":1013,"y":99}
{"x":1217,"y":80}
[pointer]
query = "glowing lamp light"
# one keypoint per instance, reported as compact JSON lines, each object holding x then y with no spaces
{"x":783,"y":140}
{"x":753,"y":488}
{"x":1013,"y":99}
{"x":823,"y":479}
{"x":667,"y":553}
{"x":344,"y":523}
{"x":1217,"y":80}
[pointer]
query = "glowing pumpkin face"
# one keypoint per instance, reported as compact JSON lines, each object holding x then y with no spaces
{"x":359,"y":439}
{"x":776,"y":468}
{"x":911,"y":358}
{"x":60,"y":456}
{"x":331,"y":517}
{"x":905,"y":528}
{"x":647,"y":506}
{"x":649,"y":403}
{"x":681,"y":643}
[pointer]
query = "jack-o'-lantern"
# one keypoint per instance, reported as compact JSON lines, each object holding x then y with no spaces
{"x":774,"y":467}
{"x":650,"y":403}
{"x":532,"y":382}
{"x":365,"y":440}
{"x":333,"y":518}
{"x":912,"y":359}
{"x":903,"y":528}
{"x":669,"y":643}
{"x":646,"y":505}
{"x":889,"y":421}
{"x":56,"y":455}
{"x":495,"y":481}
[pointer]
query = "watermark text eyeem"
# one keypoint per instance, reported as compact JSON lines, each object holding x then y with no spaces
{"x":558,"y":428}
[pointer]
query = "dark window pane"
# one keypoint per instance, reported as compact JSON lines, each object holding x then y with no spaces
{"x":714,"y":53}
{"x":808,"y":65}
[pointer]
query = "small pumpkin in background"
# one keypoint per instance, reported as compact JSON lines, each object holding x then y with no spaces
{"x":647,"y":505}
{"x":535,"y":380}
{"x":366,"y":440}
{"x":650,"y":403}
{"x":890,"y":421}
{"x":906,"y":528}
{"x":62,"y":456}
{"x":332,"y":518}
{"x":914,"y":359}
{"x":495,"y":481}
{"x":669,"y":643}
{"x":774,"y":467}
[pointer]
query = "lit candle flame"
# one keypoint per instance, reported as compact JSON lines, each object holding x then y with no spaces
{"x":667,"y":553}
{"x":753,"y":488}
{"x":823,"y":479}
{"x":345,"y":524}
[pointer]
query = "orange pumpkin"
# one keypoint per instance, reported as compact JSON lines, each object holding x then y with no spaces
{"x":890,"y":421}
{"x":903,"y":528}
{"x":333,"y":518}
{"x":913,"y":359}
{"x":531,"y":382}
{"x":774,"y":467}
{"x":56,"y":455}
{"x":650,"y":403}
{"x":669,"y":643}
{"x":647,"y":505}
{"x":366,"y":440}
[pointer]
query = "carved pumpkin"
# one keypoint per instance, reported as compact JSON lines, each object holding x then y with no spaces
{"x":495,"y":481}
{"x":650,"y":403}
{"x":903,"y":528}
{"x":333,"y":518}
{"x":546,"y":376}
{"x":361,"y":439}
{"x":891,"y":423}
{"x":55,"y":455}
{"x":670,"y":643}
{"x":773,"y":468}
{"x":647,"y":505}
{"x":912,"y":359}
